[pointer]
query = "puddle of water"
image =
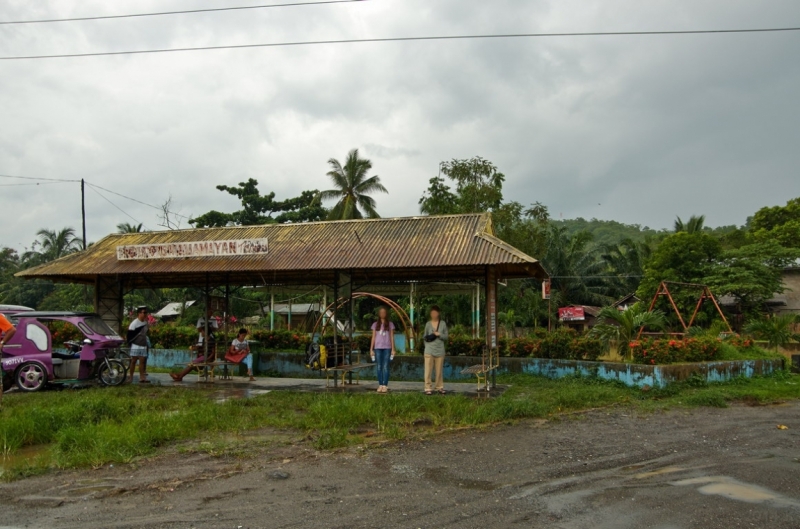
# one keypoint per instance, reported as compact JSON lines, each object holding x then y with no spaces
{"x":659,"y":472}
{"x":738,"y":491}
{"x":237,"y":394}
{"x":24,"y":456}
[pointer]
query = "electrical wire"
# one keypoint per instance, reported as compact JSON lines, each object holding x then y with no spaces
{"x":38,"y":178}
{"x":401,"y":39}
{"x":116,"y":206}
{"x":184,"y":12}
{"x":32,"y":184}
{"x":135,"y":200}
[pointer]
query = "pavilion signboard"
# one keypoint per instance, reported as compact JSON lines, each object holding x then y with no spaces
{"x":572,"y":314}
{"x":182,"y":250}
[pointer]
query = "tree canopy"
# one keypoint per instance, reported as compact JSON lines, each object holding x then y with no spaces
{"x":258,"y":209}
{"x":352,"y":188}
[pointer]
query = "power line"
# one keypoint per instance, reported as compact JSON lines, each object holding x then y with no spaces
{"x":116,"y":206}
{"x":31,"y":184}
{"x":184,"y":12}
{"x":403,"y":39}
{"x":135,"y":200}
{"x":38,"y":178}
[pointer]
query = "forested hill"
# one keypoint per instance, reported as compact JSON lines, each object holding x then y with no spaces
{"x":607,"y":231}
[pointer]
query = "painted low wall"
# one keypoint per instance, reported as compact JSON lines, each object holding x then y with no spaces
{"x":412,"y":368}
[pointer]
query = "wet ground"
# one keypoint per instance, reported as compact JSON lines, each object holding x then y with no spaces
{"x":316,"y":385}
{"x":704,"y":468}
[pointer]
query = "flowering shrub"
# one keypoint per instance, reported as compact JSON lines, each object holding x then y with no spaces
{"x":564,"y":344}
{"x":655,"y":352}
{"x":741,"y":343}
{"x":182,"y":337}
{"x":282,"y":339}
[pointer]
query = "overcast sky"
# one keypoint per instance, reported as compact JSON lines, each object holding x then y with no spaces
{"x":638,"y":129}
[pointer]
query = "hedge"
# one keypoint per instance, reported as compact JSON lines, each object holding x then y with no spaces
{"x":182,"y":337}
{"x":654,"y":352}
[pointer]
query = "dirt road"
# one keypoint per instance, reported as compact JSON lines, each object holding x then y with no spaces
{"x":705,"y":468}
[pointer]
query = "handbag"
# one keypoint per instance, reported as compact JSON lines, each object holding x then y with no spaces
{"x":432,"y":337}
{"x":236,"y":358}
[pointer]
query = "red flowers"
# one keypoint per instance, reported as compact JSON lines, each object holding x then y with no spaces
{"x":674,"y":351}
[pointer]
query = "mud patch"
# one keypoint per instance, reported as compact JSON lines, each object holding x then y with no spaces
{"x":738,"y":491}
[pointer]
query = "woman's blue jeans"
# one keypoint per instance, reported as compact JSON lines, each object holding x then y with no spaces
{"x":382,"y":357}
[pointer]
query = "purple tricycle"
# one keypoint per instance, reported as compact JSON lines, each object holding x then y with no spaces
{"x":30,"y":362}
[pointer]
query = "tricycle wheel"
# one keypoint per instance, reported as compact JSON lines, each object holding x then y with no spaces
{"x":112,"y":373}
{"x":8,"y":381}
{"x":30,"y":377}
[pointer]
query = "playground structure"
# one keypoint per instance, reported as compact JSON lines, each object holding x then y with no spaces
{"x":705,"y":295}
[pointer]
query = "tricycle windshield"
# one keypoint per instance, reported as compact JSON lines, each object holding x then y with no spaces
{"x":99,"y":326}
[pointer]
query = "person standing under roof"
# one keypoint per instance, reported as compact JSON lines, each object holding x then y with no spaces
{"x":435,"y":339}
{"x":137,"y":340}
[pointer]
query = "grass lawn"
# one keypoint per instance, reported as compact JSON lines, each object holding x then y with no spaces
{"x":93,"y":427}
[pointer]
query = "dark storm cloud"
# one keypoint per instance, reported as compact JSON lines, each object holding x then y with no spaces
{"x":639,"y":129}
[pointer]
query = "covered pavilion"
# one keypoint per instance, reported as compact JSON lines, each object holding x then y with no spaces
{"x":396,"y":256}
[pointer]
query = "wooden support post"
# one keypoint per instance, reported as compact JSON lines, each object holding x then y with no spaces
{"x":411,"y":340}
{"x":491,"y":318}
{"x":271,"y":309}
{"x":335,"y":319}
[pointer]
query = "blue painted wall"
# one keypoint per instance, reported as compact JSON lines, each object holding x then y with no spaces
{"x":412,"y":368}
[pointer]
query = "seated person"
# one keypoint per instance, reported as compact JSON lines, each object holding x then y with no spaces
{"x":201,"y":352}
{"x":239,"y":352}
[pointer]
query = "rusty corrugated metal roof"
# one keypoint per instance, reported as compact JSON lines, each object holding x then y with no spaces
{"x":435,"y":242}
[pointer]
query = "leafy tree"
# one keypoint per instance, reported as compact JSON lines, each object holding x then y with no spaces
{"x":622,"y":327}
{"x":776,"y":330}
{"x":752,"y":273}
{"x":779,"y":223}
{"x":258,"y":209}
{"x":125,"y":227}
{"x":681,"y":257}
{"x":694,"y":225}
{"x":478,"y":188}
{"x":352,"y":188}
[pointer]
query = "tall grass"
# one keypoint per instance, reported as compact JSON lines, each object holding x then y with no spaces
{"x":93,"y":427}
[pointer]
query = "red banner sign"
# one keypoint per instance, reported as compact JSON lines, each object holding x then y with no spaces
{"x":571,"y":314}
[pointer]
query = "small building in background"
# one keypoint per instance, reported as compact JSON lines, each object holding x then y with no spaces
{"x":627,"y":302}
{"x":788,"y":301}
{"x":173,"y":311}
{"x":579,"y":317}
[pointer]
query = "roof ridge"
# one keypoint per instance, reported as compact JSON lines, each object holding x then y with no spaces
{"x":312,"y":223}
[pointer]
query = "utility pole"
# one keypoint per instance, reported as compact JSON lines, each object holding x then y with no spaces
{"x":83,"y":210}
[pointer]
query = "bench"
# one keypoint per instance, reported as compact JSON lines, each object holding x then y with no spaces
{"x":206,"y":370}
{"x":481,"y":372}
{"x":343,"y":355}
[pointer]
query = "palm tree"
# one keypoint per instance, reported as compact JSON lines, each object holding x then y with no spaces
{"x":52,"y":245}
{"x":508,"y":320}
{"x":626,"y":261}
{"x":694,"y":225}
{"x":352,"y":188}
{"x":777,"y":330}
{"x":125,"y":227}
{"x":622,"y":326}
{"x":575,"y":267}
